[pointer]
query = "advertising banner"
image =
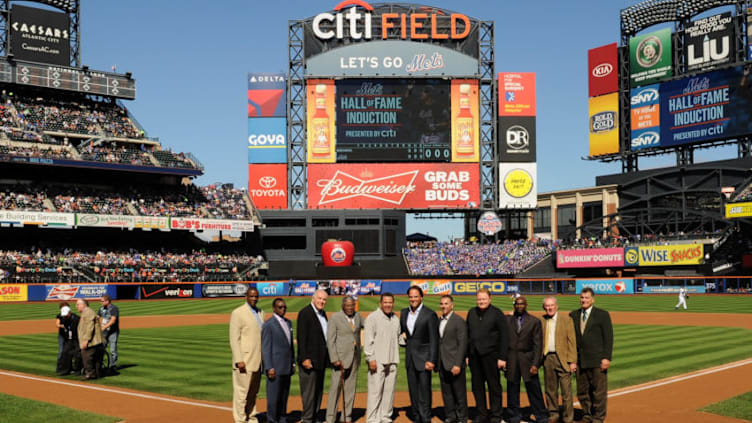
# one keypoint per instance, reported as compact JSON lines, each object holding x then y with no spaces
{"x":267,"y":185}
{"x":489,"y":223}
{"x":471,"y":287}
{"x":604,"y":124}
{"x":224,"y":290}
{"x":122,"y":221}
{"x":607,"y":286}
{"x":321,"y":132}
{"x":267,"y":140}
{"x":735,"y":210}
{"x":517,"y":139}
{"x":646,"y":117}
{"x":66,"y":292}
{"x":517,"y":94}
{"x":593,"y":257}
{"x":434,"y":287}
{"x":518,"y":185}
{"x":664,"y":255}
{"x":465,"y":121}
{"x":195,"y":224}
{"x":650,"y":57}
{"x":39,"y":35}
{"x":700,"y":289}
{"x":305,"y":287}
{"x":14,"y":293}
{"x":271,"y":289}
{"x":393,"y":186}
{"x":710,"y":42}
{"x":709,"y":106}
{"x":37,"y":218}
{"x":167,"y":291}
{"x":603,"y":74}
{"x":266,"y":95}
{"x":400,"y":120}
{"x":392,"y":58}
{"x":370,"y":287}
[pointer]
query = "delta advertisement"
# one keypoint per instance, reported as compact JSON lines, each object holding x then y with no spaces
{"x":736,"y":210}
{"x":40,"y":36}
{"x":603,"y":74}
{"x":650,"y":57}
{"x":646,"y":117}
{"x":596,"y":257}
{"x":267,"y":185}
{"x":266,"y":95}
{"x":267,"y":140}
{"x":710,"y":42}
{"x":14,"y":293}
{"x":664,"y":255}
{"x":604,"y":124}
{"x":65,"y":292}
{"x":167,"y":291}
{"x":321,"y":132}
{"x":607,"y":286}
{"x":518,"y":185}
{"x":393,"y":186}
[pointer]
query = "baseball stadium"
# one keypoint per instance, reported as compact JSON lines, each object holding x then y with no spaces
{"x":385,"y":117}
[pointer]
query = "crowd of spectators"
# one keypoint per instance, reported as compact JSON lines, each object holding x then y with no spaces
{"x":225,"y":202}
{"x":115,"y":154}
{"x":38,"y":152}
{"x":170,"y":159}
{"x":615,"y":241}
{"x":744,"y":195}
{"x":19,"y":198}
{"x":466,"y":258}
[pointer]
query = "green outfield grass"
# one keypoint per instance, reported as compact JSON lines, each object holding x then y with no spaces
{"x":738,"y":407}
{"x":20,"y":410}
{"x":194,"y":361}
{"x":649,"y":303}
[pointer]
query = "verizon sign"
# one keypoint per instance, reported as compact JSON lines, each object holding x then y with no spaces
{"x":395,"y":186}
{"x":267,"y":185}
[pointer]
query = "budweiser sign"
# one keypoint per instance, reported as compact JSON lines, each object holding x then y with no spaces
{"x":399,"y":186}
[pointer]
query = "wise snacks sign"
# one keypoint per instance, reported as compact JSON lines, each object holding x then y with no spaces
{"x":664,"y":255}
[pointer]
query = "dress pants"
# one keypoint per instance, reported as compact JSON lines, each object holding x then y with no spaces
{"x":381,"y":394}
{"x":311,"y":391}
{"x":277,"y":392}
{"x":484,"y":371}
{"x":454,"y":394}
{"x":335,"y":394}
{"x":91,"y":358}
{"x":556,"y":376}
{"x":592,"y":391}
{"x":534,"y":395}
{"x":419,"y":385}
{"x":245,"y":386}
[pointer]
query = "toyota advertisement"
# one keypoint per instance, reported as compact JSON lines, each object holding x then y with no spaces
{"x":393,"y":186}
{"x":595,"y":257}
{"x":267,"y":185}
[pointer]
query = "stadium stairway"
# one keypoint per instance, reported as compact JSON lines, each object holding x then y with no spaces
{"x":49,"y":205}
{"x":132,"y":209}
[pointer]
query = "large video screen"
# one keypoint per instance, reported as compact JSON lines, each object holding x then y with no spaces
{"x":393,"y":120}
{"x":39,"y":35}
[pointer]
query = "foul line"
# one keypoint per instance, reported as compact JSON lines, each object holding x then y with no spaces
{"x":117,"y":391}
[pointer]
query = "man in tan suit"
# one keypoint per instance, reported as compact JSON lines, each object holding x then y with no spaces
{"x":90,"y":339}
{"x":245,"y":342}
{"x":559,"y":360}
{"x":343,"y":342}
{"x":381,"y":348}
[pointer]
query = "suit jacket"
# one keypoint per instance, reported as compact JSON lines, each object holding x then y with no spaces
{"x":89,"y":328}
{"x":343,"y":341}
{"x":423,"y":344}
{"x":277,"y":349}
{"x":597,"y":342}
{"x":525,"y":347}
{"x":245,"y":338}
{"x":311,"y":341}
{"x":564,"y":338}
{"x":487,"y":333}
{"x":453,"y":345}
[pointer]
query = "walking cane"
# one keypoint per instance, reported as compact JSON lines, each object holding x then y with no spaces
{"x":342,"y":382}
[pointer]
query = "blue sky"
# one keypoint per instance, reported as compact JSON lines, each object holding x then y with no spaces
{"x":191,"y":58}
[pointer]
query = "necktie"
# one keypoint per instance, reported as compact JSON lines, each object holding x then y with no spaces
{"x":519,"y":324}
{"x":584,"y":321}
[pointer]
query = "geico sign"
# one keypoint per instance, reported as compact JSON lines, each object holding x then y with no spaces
{"x":495,"y":287}
{"x":359,"y":25}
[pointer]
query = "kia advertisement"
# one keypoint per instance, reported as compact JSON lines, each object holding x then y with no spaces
{"x":517,"y":94}
{"x":267,"y":185}
{"x":393,"y":186}
{"x":607,"y":286}
{"x":65,"y":292}
{"x":266,"y":95}
{"x":267,"y":140}
{"x":167,"y":291}
{"x":595,"y":257}
{"x":603,"y":74}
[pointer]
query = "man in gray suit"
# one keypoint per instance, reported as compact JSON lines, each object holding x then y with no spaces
{"x":343,"y":341}
{"x":452,"y":352}
{"x":279,"y":361}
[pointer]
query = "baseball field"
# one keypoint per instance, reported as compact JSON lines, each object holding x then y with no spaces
{"x":175,"y":359}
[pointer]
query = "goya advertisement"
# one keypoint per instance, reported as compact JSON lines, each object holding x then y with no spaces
{"x":650,"y":57}
{"x":664,"y":255}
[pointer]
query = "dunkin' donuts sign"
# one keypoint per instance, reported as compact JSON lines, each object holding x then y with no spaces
{"x":395,"y":186}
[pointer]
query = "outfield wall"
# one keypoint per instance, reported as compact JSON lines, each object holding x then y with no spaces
{"x":158,"y":290}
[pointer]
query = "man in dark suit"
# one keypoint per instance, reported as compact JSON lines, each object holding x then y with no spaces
{"x":452,"y":350}
{"x":525,"y":345}
{"x":420,"y":327}
{"x":595,"y":342}
{"x":313,"y":355}
{"x":488,"y":345}
{"x":279,"y":361}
